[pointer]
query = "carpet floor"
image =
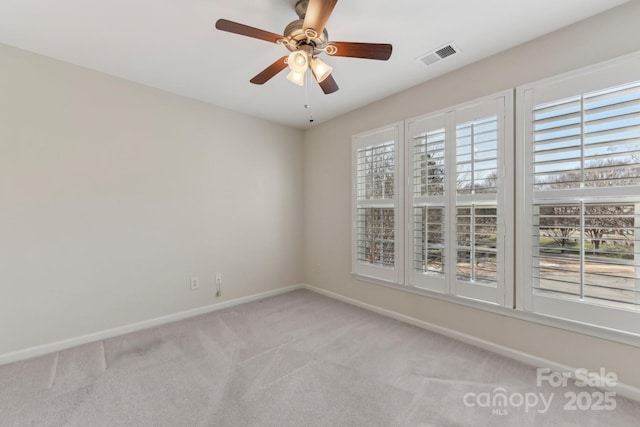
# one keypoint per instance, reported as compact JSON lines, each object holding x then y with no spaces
{"x":297,"y":359}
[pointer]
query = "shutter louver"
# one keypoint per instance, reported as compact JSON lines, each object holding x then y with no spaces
{"x":476,"y":245}
{"x":585,"y":249}
{"x":375,"y":217}
{"x":477,"y":156}
{"x":477,"y":213}
{"x":429,"y":212}
{"x":588,"y":141}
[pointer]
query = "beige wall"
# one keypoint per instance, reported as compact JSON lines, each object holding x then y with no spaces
{"x":328,"y":185}
{"x":113,"y":194}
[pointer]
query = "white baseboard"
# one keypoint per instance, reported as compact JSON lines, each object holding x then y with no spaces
{"x":621,"y":389}
{"x":145,"y":324}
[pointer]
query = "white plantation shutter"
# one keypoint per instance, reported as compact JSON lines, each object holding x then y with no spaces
{"x":375,"y":189}
{"x":476,"y":248}
{"x":587,"y":252}
{"x":477,"y":156}
{"x":377,"y":236}
{"x":428,"y":177}
{"x":483,"y":248}
{"x":458,"y":205}
{"x":588,"y":141}
{"x":476,"y":216}
{"x":582,"y":196}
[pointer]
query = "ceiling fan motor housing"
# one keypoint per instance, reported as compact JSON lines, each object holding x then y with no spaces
{"x":298,"y":37}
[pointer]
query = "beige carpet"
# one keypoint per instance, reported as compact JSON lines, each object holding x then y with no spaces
{"x":298,"y":359}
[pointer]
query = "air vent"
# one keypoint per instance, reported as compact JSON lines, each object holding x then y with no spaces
{"x":439,"y":54}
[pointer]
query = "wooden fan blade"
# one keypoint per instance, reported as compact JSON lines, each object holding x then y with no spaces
{"x":379,"y":51}
{"x":245,"y":30}
{"x":273,"y":69}
{"x":329,"y":85}
{"x":317,"y":15}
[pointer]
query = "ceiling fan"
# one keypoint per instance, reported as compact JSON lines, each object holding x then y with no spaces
{"x":307,"y":38}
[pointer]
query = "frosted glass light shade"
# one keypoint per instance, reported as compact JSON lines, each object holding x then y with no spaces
{"x":297,"y":78}
{"x":298,"y":61}
{"x":320,"y":69}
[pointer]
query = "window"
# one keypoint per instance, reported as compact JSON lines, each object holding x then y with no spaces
{"x":567,"y":190}
{"x":377,"y":207}
{"x":428,"y":171}
{"x":581,"y":159}
{"x":460,"y":200}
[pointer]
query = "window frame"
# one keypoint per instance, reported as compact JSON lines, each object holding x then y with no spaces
{"x":393,"y":132}
{"x":501,"y":105}
{"x":427,"y":281}
{"x":609,"y":74}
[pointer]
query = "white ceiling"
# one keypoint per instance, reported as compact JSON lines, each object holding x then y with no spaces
{"x":173,"y":45}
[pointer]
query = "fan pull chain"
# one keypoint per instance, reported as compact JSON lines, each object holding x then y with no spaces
{"x":307,"y":105}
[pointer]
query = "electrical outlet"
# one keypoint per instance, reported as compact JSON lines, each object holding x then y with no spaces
{"x":195,"y":283}
{"x":318,"y":268}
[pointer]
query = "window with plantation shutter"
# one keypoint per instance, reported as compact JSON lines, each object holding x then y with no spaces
{"x":459,"y":200}
{"x":476,"y":186}
{"x":476,"y":231}
{"x":530,"y":203}
{"x":428,"y":171}
{"x":377,"y":210}
{"x":581,"y":157}
{"x":588,"y":141}
{"x":483,"y":200}
{"x":477,"y":156}
{"x":586,"y":252}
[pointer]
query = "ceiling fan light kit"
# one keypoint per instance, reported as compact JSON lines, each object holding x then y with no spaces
{"x":298,"y":61}
{"x":307,"y":38}
{"x":320,"y":70}
{"x":295,"y":77}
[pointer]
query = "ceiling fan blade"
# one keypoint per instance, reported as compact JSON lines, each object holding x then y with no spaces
{"x":273,"y":69}
{"x":245,"y":30}
{"x":317,"y":15}
{"x":379,"y":51}
{"x":329,"y":85}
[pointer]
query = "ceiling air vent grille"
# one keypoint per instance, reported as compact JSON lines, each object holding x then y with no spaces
{"x":439,"y":54}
